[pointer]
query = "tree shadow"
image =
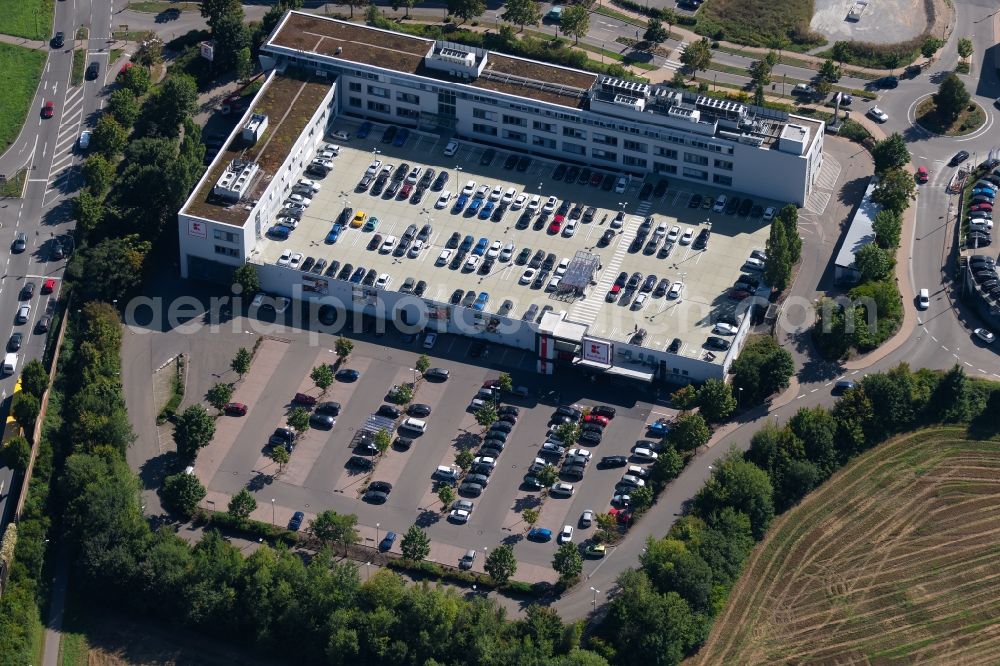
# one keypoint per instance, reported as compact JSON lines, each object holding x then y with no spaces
{"x":426,"y":518}
{"x":154,"y":470}
{"x":527,"y":502}
{"x":260,"y":481}
{"x":467,"y":440}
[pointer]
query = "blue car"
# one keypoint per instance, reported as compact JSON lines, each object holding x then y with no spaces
{"x":359,"y":275}
{"x":481,"y":301}
{"x":480,"y":248}
{"x":540,"y":534}
{"x":985,"y":191}
{"x":334,"y":234}
{"x":364,"y":130}
{"x":487,"y":210}
{"x":279,"y":231}
{"x":401,"y":137}
{"x":474,"y":206}
{"x":460,"y":203}
{"x":296,"y":522}
{"x":386,"y":543}
{"x":466,"y":244}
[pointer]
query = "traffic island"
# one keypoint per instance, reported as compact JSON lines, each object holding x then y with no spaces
{"x":969,"y":120}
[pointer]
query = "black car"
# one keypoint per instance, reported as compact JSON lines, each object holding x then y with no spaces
{"x":375,"y":497}
{"x":661,"y":188}
{"x":606,"y":411}
{"x":440,"y":182}
{"x":419,"y":409}
{"x":590,"y":437}
{"x":889,"y":82}
{"x":733,"y":206}
{"x":380,"y":487}
{"x":59,"y":40}
{"x":585,"y":175}
{"x":959,"y":157}
{"x":321,"y":421}
{"x":714,"y":342}
{"x":453,"y":241}
{"x":612,"y":461}
{"x":346,"y":272}
{"x":347,"y":375}
{"x":523,"y":162}
{"x":501,"y":427}
{"x":746,"y":207}
{"x":675,"y":346}
{"x":93,"y":69}
{"x":14,"y":343}
{"x":331,"y":408}
{"x":646,"y":191}
{"x":537,"y":259}
{"x":403,"y":443}
{"x":508,"y":409}
{"x":609,"y":182}
{"x":701,"y":240}
{"x":27,"y":291}
{"x":389,"y":411}
{"x":695,"y":201}
{"x":471,"y":489}
{"x":389,"y":134}
{"x":571,"y":412}
{"x":281,"y":437}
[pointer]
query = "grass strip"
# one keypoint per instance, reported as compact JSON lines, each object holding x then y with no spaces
{"x":22,"y":70}
{"x":159,"y":6}
{"x":625,"y":18}
{"x":14,"y":185}
{"x":31,"y":19}
{"x":79,"y":64}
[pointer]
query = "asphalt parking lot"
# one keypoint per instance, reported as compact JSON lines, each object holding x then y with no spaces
{"x":317,"y":476}
{"x":434,"y":270}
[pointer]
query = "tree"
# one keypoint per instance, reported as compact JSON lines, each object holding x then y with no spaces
{"x":17,"y":453}
{"x":34,"y":378}
{"x":894,"y":190}
{"x":298,"y":420}
{"x":689,"y":432}
{"x":530,"y":516}
{"x":548,"y":475}
{"x":575,"y":22}
{"x":382,"y":440}
{"x":401,"y":394}
{"x":697,"y":56}
{"x":951,"y":98}
{"x":778,"y":269}
{"x":322,"y":377}
{"x":742,"y":486}
{"x":892,"y":61}
{"x":888,"y":227}
{"x":361,"y":3}
{"x":109,"y":137}
{"x":642,"y":498}
{"x":193,"y":430}
{"x":501,"y":564}
{"x":88,"y":208}
{"x":246,"y":276}
{"x":464,"y":459}
{"x":823,"y":88}
{"x":446,"y":494}
{"x":655,"y":32}
{"x":873,"y":262}
{"x":343,"y":348}
{"x":567,"y":562}
{"x":788,"y":216}
{"x":505,"y":383}
{"x":930,"y":47}
{"x":890,"y":153}
{"x":280,"y":456}
{"x":817,"y":430}
{"x":486,"y":415}
{"x":98,"y":174}
{"x":137,"y":80}
{"x":758,"y":95}
{"x":331,"y":527}
{"x":841,"y":51}
{"x":522,"y":13}
{"x":670,"y":18}
{"x":241,"y":362}
{"x":830,"y":71}
{"x":466,"y":9}
{"x":686,"y":397}
{"x":951,"y":396}
{"x":667,"y":466}
{"x":415,"y":544}
{"x":113,"y":268}
{"x":219,"y":395}
{"x":244,"y":65}
{"x":569,"y":433}
{"x":214,"y":10}
{"x":123,"y":106}
{"x":176,"y":99}
{"x":760,"y":72}
{"x":241,"y":505}
{"x":231,"y":36}
{"x":762,"y":369}
{"x":715,"y":400}
{"x":607,"y":527}
{"x":964,"y":48}
{"x":422,"y":364}
{"x":149,"y":53}
{"x":182,"y":492}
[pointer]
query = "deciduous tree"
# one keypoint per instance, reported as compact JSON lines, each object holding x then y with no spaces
{"x":530,"y":516}
{"x":382,"y":440}
{"x":762,"y":369}
{"x":888,"y":228}
{"x":742,"y":486}
{"x":415,"y":544}
{"x":951,"y":98}
{"x":567,"y":562}
{"x":446,"y":494}
{"x":697,"y":56}
{"x":220,"y":394}
{"x":322,"y":377}
{"x":241,"y":362}
{"x":715,"y":400}
{"x":123,"y":106}
{"x":241,"y":505}
{"x":298,"y":420}
{"x":331,"y":528}
{"x":34,"y":378}
{"x":501,"y":564}
{"x":830,"y":71}
{"x":688,"y":433}
{"x":464,"y":459}
{"x":890,"y":153}
{"x":280,"y":456}
{"x":505,"y":383}
{"x":17,"y":453}
{"x":98,"y":174}
{"x":894,"y":190}
{"x":778,"y":268}
{"x":667,"y":466}
{"x":873,"y":262}
{"x":575,"y":22}
{"x":109,"y":137}
{"x":964,"y":48}
{"x":569,"y":433}
{"x":343,"y":348}
{"x":193,"y":430}
{"x":655,"y":32}
{"x":182,"y":492}
{"x":486,"y":415}
{"x":466,"y":9}
{"x":522,"y":13}
{"x":137,"y":80}
{"x":246,"y":276}
{"x":422,"y":364}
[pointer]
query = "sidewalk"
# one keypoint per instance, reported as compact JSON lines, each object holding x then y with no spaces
{"x":26,"y":43}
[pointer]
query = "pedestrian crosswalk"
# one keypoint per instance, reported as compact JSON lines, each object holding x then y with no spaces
{"x":585,"y":310}
{"x":822,"y":190}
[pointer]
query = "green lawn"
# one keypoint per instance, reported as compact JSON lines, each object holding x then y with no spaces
{"x":14,"y":185}
{"x":79,"y":63}
{"x":759,"y":23}
{"x":31,"y":19}
{"x":20,"y":71}
{"x":157,"y":6}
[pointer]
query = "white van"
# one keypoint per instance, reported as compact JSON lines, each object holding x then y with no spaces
{"x":445,"y":473}
{"x":923,"y":300}
{"x":416,"y":425}
{"x":9,"y":363}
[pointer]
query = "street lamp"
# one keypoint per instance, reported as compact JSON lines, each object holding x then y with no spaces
{"x":740,"y":397}
{"x":414,"y":370}
{"x":376,"y":534}
{"x":368,"y":571}
{"x":272,"y":512}
{"x":596,"y":592}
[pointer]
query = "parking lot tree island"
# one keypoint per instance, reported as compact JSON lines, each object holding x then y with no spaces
{"x":446,"y":494}
{"x":343,"y":348}
{"x":423,"y":363}
{"x":415,"y":544}
{"x":486,"y":415}
{"x":241,"y":362}
{"x":382,"y":440}
{"x":280,"y":456}
{"x":219,"y":395}
{"x":298,"y":420}
{"x":241,"y":505}
{"x":322,"y":377}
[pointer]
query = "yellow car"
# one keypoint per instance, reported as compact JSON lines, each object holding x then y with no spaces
{"x":359,"y":219}
{"x":597,"y":550}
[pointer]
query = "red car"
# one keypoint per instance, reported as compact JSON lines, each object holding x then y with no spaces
{"x":555,"y":226}
{"x":235,"y":409}
{"x":304,"y":399}
{"x":595,"y":179}
{"x":594,"y":418}
{"x":988,"y":207}
{"x":48,"y":286}
{"x":922,"y":174}
{"x":48,"y":110}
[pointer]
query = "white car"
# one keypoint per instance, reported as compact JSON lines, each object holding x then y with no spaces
{"x":341,"y":135}
{"x":561,"y":489}
{"x":508,"y":196}
{"x":642,"y":453}
{"x":561,"y":268}
{"x":981,"y":225}
{"x":84,"y":139}
{"x":443,"y":199}
{"x":587,"y":518}
{"x":754,"y":264}
{"x":301,"y":199}
{"x":581,"y":452}
{"x":415,"y":249}
{"x":661,"y":230}
{"x":533,"y":204}
{"x":507,"y":252}
{"x":673,"y":233}
{"x":569,"y":229}
{"x":307,"y":182}
{"x":519,"y":202}
{"x":550,"y":205}
{"x":618,"y":221}
{"x":296,"y":260}
{"x":329,"y":152}
{"x":458,"y":516}
{"x":430,"y":339}
{"x":285,"y":258}
{"x":688,"y":235}
{"x":553,"y":283}
{"x":472,"y":263}
{"x":383,"y":281}
{"x":640,"y":301}
{"x":373,"y":167}
{"x":451,"y":148}
{"x":566,"y":535}
{"x":482,"y":192}
{"x":633,"y":481}
{"x":985,"y":335}
{"x":485,"y":460}
{"x":675,"y":289}
{"x":496,"y":193}
{"x":725,"y":329}
{"x":444,"y":257}
{"x":388,"y":245}
{"x":469,"y":188}
{"x":769,"y":213}
{"x":527,"y":276}
{"x":878,"y":114}
{"x":494,"y":250}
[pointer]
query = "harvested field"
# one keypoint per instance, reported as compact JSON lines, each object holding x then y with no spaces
{"x":893,"y":560}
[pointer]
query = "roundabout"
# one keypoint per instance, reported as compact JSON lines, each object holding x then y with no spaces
{"x":972,"y":122}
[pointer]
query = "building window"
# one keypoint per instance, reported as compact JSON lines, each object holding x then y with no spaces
{"x":605,"y":139}
{"x":669,"y":153}
{"x":354,"y":101}
{"x":691,"y":158}
{"x":542,"y":142}
{"x":227,"y":251}
{"x":378,"y":91}
{"x":599,"y":154}
{"x":543,"y":127}
{"x":635,"y":146}
{"x":403,"y":112}
{"x":484,"y":129}
{"x":409,"y":98}
{"x":574,"y":133}
{"x":227,"y":236}
{"x":722,"y":180}
{"x":695,"y":173}
{"x":483,"y":114}
{"x":724,"y":164}
{"x":515,"y":120}
{"x":660,"y":167}
{"x":515,"y":136}
{"x":573,"y":148}
{"x":628,"y":160}
{"x":378,"y":107}
{"x":354,"y":86}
